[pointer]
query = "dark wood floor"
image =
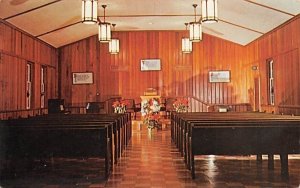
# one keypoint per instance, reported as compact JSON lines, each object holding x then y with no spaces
{"x":151,"y":160}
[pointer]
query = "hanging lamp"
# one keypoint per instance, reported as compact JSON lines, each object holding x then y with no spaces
{"x":89,"y":11}
{"x":114,"y":46}
{"x":104,"y":29}
{"x":195,"y":28}
{"x":186,"y":43}
{"x":209,"y":11}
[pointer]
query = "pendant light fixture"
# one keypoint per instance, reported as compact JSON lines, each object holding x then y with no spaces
{"x":104,"y":29}
{"x":209,"y":11}
{"x":195,"y":29}
{"x":114,"y":44}
{"x":186,"y":43}
{"x":89,"y":11}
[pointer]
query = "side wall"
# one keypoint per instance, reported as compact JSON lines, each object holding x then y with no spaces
{"x":283,"y":46}
{"x":16,"y":49}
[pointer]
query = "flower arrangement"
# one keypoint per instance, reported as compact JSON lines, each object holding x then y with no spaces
{"x":151,"y":120}
{"x":150,"y":110}
{"x":181,"y":105}
{"x":151,"y":105}
{"x":120,"y":106}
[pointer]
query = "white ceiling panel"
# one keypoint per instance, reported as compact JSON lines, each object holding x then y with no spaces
{"x":49,"y":18}
{"x":150,"y":23}
{"x":54,"y":21}
{"x":148,"y":7}
{"x":70,"y":34}
{"x":231,"y":33}
{"x":12,"y":7}
{"x":251,"y":15}
{"x":291,"y":6}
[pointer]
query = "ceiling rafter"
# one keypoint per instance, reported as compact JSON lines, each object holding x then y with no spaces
{"x":63,"y":27}
{"x":271,"y":8}
{"x":132,"y":16}
{"x":247,"y":28}
{"x":30,"y":10}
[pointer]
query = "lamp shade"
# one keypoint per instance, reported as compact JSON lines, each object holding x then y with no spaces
{"x":89,"y":11}
{"x":186,"y":45}
{"x":209,"y":11}
{"x":195,"y":31}
{"x":104,"y":34}
{"x":114,"y":46}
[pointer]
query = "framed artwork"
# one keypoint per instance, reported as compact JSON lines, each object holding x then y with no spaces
{"x":82,"y":78}
{"x":150,"y":65}
{"x":219,"y":76}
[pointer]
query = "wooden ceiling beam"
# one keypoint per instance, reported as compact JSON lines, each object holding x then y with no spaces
{"x":66,"y":26}
{"x":30,"y":10}
{"x":271,"y":8}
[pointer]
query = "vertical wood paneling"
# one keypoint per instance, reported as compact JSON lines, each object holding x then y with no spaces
{"x":283,"y":46}
{"x":181,"y":74}
{"x":16,"y":50}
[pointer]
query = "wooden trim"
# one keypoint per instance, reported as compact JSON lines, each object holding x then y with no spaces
{"x":265,"y":6}
{"x":51,"y":31}
{"x":59,"y":73}
{"x":148,"y":15}
{"x":230,"y":23}
{"x":30,"y":10}
{"x":289,"y":106}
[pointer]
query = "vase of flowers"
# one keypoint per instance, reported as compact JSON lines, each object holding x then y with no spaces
{"x":150,"y":112}
{"x":151,"y":120}
{"x":120,"y":106}
{"x":181,"y":105}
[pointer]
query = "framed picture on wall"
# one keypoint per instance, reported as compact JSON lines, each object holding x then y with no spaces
{"x":219,"y":76}
{"x":82,"y":78}
{"x":150,"y":65}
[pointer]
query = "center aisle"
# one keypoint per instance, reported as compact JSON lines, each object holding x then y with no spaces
{"x":150,"y":160}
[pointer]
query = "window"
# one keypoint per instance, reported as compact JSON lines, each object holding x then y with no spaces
{"x":28,"y":85}
{"x":43,"y":83}
{"x":270,"y":72}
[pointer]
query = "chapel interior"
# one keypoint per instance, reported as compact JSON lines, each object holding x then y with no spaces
{"x":162,"y":93}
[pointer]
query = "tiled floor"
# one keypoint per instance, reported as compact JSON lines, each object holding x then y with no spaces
{"x":151,"y":160}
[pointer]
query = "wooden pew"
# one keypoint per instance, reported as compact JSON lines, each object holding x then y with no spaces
{"x":118,"y":134}
{"x":44,"y":142}
{"x":185,"y":132}
{"x":121,"y":126}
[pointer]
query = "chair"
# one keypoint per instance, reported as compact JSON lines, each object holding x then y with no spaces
{"x":56,"y":106}
{"x":94,"y":107}
{"x":163,"y":105}
{"x":169,"y":106}
{"x":132,"y":107}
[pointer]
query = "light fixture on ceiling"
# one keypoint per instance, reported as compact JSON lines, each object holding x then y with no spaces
{"x":114,"y":44}
{"x":186,"y":43}
{"x":209,"y":11}
{"x":104,"y":29}
{"x":195,"y":29}
{"x":89,"y":11}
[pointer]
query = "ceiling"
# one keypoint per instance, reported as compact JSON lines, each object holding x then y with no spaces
{"x":58,"y":22}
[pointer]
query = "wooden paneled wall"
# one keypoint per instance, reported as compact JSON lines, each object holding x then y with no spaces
{"x":16,"y":49}
{"x":283,"y":46}
{"x":181,"y":74}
